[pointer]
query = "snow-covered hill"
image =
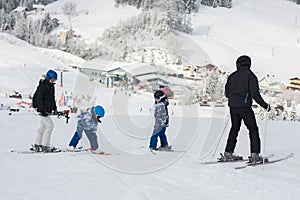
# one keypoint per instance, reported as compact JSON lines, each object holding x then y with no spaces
{"x":132,"y":172}
{"x":22,"y":65}
{"x":268,"y":31}
{"x":93,"y":16}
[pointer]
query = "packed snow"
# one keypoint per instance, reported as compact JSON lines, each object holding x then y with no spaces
{"x":197,"y":133}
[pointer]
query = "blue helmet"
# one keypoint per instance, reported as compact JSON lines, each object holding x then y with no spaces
{"x":99,"y":110}
{"x":51,"y":74}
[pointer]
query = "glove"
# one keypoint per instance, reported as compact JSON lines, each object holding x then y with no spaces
{"x":268,"y":108}
{"x":44,"y":114}
{"x":59,"y":114}
{"x":98,"y":119}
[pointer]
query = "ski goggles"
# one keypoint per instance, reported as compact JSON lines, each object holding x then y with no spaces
{"x":98,"y":118}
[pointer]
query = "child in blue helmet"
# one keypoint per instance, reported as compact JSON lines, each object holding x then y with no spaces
{"x":88,"y":122}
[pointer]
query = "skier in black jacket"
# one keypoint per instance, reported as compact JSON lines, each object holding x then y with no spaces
{"x":240,"y":89}
{"x":44,"y":101}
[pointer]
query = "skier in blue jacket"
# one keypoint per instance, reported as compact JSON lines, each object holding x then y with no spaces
{"x":88,"y":122}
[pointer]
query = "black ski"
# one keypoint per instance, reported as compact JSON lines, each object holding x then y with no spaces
{"x":266,"y":162}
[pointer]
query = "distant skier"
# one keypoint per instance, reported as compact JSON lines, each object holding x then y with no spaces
{"x":161,"y":122}
{"x":44,"y":102}
{"x":240,"y":89}
{"x":88,"y":122}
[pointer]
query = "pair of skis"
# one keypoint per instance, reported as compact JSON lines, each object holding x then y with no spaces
{"x":266,"y":160}
{"x":76,"y":150}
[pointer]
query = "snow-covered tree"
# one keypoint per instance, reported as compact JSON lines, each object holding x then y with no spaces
{"x":215,"y":86}
{"x":147,"y":4}
{"x":69,"y":9}
{"x":216,"y":3}
{"x":187,"y":5}
{"x":21,"y":29}
{"x":191,"y":5}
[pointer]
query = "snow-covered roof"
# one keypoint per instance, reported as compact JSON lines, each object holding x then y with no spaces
{"x":119,"y":72}
{"x":271,"y":80}
{"x":38,"y":6}
{"x":102,"y":65}
{"x":21,"y":9}
{"x":178,"y":81}
{"x":147,"y":77}
{"x":109,"y":66}
{"x":296,"y":78}
{"x":139,"y":69}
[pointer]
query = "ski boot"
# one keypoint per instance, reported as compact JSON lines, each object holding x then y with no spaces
{"x":256,"y":158}
{"x":36,"y":148}
{"x":229,"y":157}
{"x":50,"y":149}
{"x":164,"y":148}
{"x":70,"y":148}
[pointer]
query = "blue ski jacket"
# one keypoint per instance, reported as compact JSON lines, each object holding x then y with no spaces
{"x":87,"y":120}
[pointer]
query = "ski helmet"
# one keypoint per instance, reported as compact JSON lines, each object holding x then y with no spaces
{"x":99,"y":110}
{"x":51,"y":74}
{"x":159,"y":94}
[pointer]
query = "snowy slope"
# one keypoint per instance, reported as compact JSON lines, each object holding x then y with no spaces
{"x":133,"y":172}
{"x":93,"y":16}
{"x":21,"y":64}
{"x":266,"y":30}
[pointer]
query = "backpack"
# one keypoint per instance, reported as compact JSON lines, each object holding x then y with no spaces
{"x":34,"y":103}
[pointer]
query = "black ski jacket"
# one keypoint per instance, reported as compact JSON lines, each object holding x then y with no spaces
{"x":45,"y":97}
{"x":241,"y":87}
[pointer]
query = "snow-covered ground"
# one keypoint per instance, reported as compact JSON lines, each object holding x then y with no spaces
{"x":132,"y":172}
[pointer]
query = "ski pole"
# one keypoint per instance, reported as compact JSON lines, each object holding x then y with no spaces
{"x":221,"y":135}
{"x":265,"y":131}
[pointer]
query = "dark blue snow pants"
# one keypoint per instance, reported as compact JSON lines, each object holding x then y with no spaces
{"x":91,"y":135}
{"x":163,"y":138}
